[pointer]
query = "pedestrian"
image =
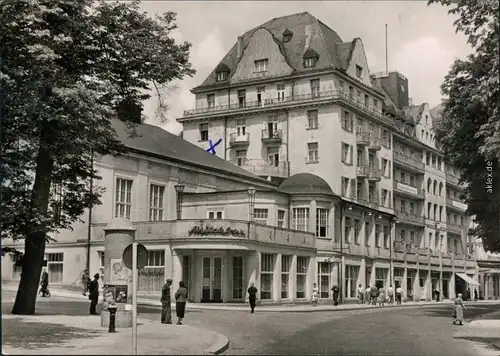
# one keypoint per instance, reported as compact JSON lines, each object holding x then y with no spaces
{"x":373,"y":294}
{"x":438,"y":293}
{"x":44,"y":283}
{"x":166,"y":308}
{"x":252,"y":296}
{"x":94,"y":294}
{"x":399,"y":295}
{"x":467,"y":294}
{"x":180,"y":302}
{"x":458,"y":310}
{"x":381,"y":296}
{"x":475,"y":295}
{"x":336,"y":292}
{"x":367,"y":295}
{"x":85,"y":281}
{"x":315,"y":295}
{"x":390,"y":295}
{"x":361,"y":293}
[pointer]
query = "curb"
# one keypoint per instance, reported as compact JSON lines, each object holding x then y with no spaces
{"x":219,"y":347}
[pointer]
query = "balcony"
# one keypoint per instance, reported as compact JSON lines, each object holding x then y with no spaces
{"x":218,"y":231}
{"x":454,"y":228}
{"x":236,"y":140}
{"x":261,"y":167}
{"x":409,"y":163}
{"x":375,"y":175}
{"x":407,"y":190}
{"x":375,"y":144}
{"x":372,"y":203}
{"x":298,"y":100}
{"x":362,"y":138}
{"x":274,"y":136}
{"x":362,"y":171}
{"x":456,"y":205}
{"x":409,"y":218}
{"x":453,"y":180}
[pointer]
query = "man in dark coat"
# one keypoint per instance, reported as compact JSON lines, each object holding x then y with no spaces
{"x":94,"y":294}
{"x":45,"y":284}
{"x":252,"y":296}
{"x":336,"y":293}
{"x":166,"y":309}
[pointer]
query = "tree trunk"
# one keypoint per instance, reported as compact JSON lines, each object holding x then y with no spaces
{"x":35,"y":241}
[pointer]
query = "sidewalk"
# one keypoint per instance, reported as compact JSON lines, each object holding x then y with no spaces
{"x":485,"y":330}
{"x":325,"y":305}
{"x":153,"y":338}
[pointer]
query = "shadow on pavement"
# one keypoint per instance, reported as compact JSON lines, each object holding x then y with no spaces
{"x":493,"y":343}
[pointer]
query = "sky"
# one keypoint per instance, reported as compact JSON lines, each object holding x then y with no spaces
{"x":422,"y":43}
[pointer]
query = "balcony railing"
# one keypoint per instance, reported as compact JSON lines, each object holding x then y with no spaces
{"x":362,"y":171}
{"x":272,"y":136}
{"x":362,"y":138}
{"x":407,"y":189}
{"x":451,"y":203}
{"x":454,"y":228}
{"x":408,"y":161}
{"x":261,"y":167}
{"x":410,"y":218}
{"x":236,"y":139}
{"x":290,"y":100}
{"x":452,"y":178}
{"x":375,"y":143}
{"x":375,"y":174}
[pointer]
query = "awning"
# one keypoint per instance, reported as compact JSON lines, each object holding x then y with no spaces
{"x":467,"y":279}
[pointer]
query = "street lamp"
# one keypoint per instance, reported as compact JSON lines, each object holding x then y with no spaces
{"x":251,"y":195}
{"x":179,"y":188}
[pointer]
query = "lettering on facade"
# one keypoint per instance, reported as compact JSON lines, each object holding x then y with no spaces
{"x":212,"y":230}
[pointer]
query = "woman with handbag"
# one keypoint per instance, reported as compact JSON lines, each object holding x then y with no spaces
{"x":458,"y":310}
{"x":180,"y":302}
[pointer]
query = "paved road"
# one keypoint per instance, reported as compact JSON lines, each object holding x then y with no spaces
{"x":400,"y":331}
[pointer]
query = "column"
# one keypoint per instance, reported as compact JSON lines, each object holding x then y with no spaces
{"x":176,"y":273}
{"x":332,"y":231}
{"x":293,"y":279}
{"x":277,"y":279}
{"x":452,"y":280}
{"x":362,"y":273}
{"x":342,"y":280}
{"x":312,"y":217}
{"x":227,"y":272}
{"x":391,"y":247}
{"x":310,"y":279}
{"x":404,"y":283}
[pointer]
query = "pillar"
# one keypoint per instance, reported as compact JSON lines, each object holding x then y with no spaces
{"x":253,"y":272}
{"x":310,"y":279}
{"x":118,"y":234}
{"x":362,"y":273}
{"x":227,"y":268}
{"x":312,"y":217}
{"x":293,"y":279}
{"x":391,"y":247}
{"x":453,"y":294}
{"x":176,"y":273}
{"x":277,"y":279}
{"x":404,"y":283}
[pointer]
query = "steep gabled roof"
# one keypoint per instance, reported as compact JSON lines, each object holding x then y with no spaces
{"x":436,"y":113}
{"x":332,"y":52}
{"x":310,"y":53}
{"x":414,"y":112}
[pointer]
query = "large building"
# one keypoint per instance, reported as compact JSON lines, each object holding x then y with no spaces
{"x":291,"y":96}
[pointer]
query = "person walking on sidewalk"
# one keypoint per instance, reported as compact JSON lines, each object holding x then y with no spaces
{"x":399,"y":295}
{"x":252,"y":296}
{"x":336,"y":292}
{"x":475,"y":295}
{"x":85,"y":281}
{"x":361,"y":293}
{"x":180,"y":302}
{"x":166,"y":309}
{"x":390,"y":294}
{"x":94,"y":294}
{"x":44,"y":283}
{"x":381,"y":296}
{"x":315,"y":295}
{"x":373,"y":294}
{"x":367,"y":295}
{"x":458,"y":310}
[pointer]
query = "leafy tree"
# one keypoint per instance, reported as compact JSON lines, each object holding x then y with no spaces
{"x":67,"y":68}
{"x":470,"y":126}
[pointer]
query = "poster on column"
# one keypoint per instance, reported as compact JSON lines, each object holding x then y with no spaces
{"x":120,"y":274}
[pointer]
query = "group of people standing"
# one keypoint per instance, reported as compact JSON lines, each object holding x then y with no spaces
{"x":181,"y":296}
{"x":372,"y":295}
{"x":91,"y":288}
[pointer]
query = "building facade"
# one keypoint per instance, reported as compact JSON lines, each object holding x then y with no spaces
{"x":290,"y":96}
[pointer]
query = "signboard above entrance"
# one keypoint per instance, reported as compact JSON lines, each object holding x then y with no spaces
{"x":204,"y":230}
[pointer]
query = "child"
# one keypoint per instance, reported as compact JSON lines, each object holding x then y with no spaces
{"x":315,"y":295}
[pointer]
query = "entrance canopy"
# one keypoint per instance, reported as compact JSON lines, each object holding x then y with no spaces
{"x":467,"y":279}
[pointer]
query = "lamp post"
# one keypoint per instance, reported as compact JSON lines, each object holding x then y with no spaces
{"x":179,"y":188}
{"x":251,"y":195}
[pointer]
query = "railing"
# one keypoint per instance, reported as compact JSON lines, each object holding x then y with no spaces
{"x":362,"y":170}
{"x":234,"y":138}
{"x":456,"y":204}
{"x":405,"y":188}
{"x":408,"y":161}
{"x":375,"y":174}
{"x":446,"y":261}
{"x":263,"y":167}
{"x":408,"y":217}
{"x":454,"y":228}
{"x":362,"y":138}
{"x":452,"y":178}
{"x":296,"y":99}
{"x":275,"y":135}
{"x":374,"y":143}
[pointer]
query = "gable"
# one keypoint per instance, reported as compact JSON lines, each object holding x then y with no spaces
{"x":358,"y":58}
{"x":262,"y":45}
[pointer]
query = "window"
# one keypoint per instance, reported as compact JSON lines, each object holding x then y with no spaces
{"x":403,"y":206}
{"x":312,"y":119}
{"x":242,"y":97}
{"x":351,"y":278}
{"x":412,"y":237}
{"x":156,"y":202}
{"x":321,"y":222}
{"x":287,"y":38}
{"x":266,"y":276}
{"x":386,"y":164}
{"x":281,"y":92}
{"x":286,"y":262}
{"x":359,"y":71}
{"x":314,"y":83}
{"x":261,"y":65}
{"x":211,"y":100}
{"x":435,"y":188}
{"x":455,"y":246}
{"x":346,"y":153}
{"x":241,"y":157}
{"x":301,"y":276}
{"x":101,"y":263}
{"x":412,"y":181}
{"x":386,"y":236}
{"x":221,"y":76}
{"x":375,"y":103}
{"x":345,"y":186}
{"x":341,"y":85}
{"x":260,"y":216}
{"x":353,"y":188}
{"x":347,"y":229}
{"x":380,"y":277}
{"x":378,"y":234}
{"x":435,"y":212}
{"x":368,"y":230}
{"x":357,"y":229}
{"x":440,"y":212}
{"x":428,"y":159}
{"x":300,"y":218}
{"x":403,"y":235}
{"x":313,"y":155}
{"x":346,"y":120}
{"x":385,"y":193}
{"x":429,"y":208}
{"x":412,"y":208}
{"x":403,"y":177}
{"x":386,"y":139}
{"x":237,"y":277}
{"x":310,"y":62}
{"x":123,"y":199}
{"x":203,"y":132}
{"x":281,"y":218}
{"x":55,"y":267}
{"x":324,"y":273}
{"x":461,"y":220}
{"x":215,"y":215}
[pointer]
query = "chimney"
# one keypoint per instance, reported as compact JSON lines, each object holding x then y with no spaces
{"x":308,"y":36}
{"x":239,"y":47}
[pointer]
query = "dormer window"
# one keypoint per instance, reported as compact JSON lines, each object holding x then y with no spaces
{"x":287,"y":36}
{"x":221,"y":76}
{"x":309,"y":62}
{"x":222,"y":72}
{"x":359,"y":71}
{"x":310,"y":58}
{"x":261,"y":65}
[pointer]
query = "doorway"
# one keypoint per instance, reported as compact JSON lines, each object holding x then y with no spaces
{"x":212,"y":280}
